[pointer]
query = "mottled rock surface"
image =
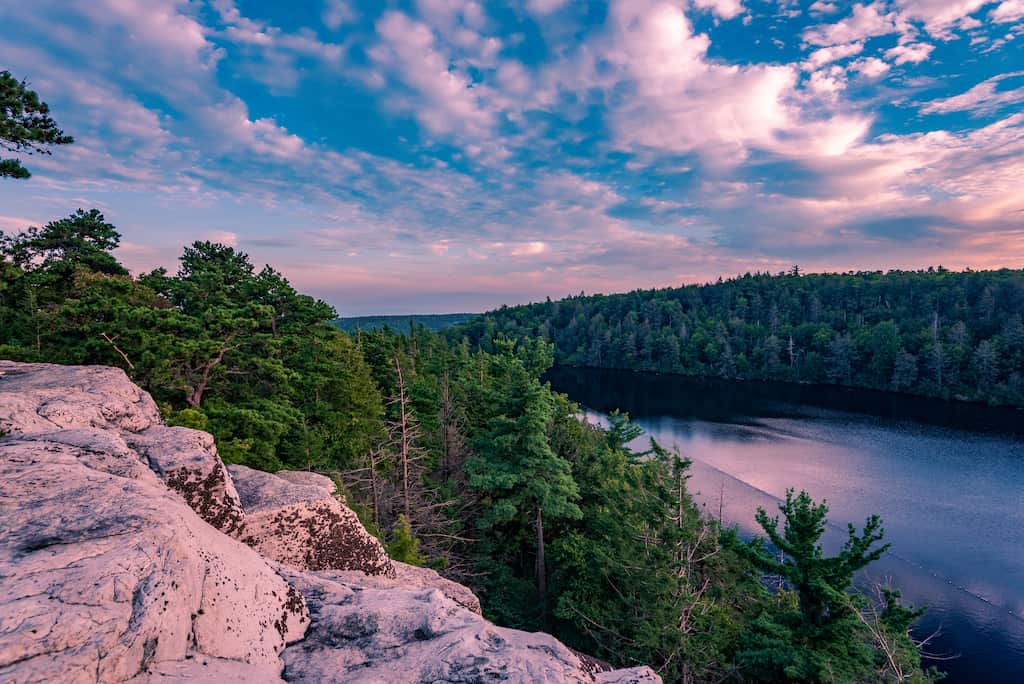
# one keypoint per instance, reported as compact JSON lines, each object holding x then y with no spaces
{"x":42,"y":397}
{"x":106,"y":573}
{"x":116,"y":563}
{"x":380,"y":631}
{"x":296,"y":520}
{"x":187,"y":461}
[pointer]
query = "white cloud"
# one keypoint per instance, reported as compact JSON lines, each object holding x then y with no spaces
{"x":980,"y":99}
{"x":224,"y":237}
{"x":726,"y":9}
{"x":664,"y":92}
{"x":1007,"y":11}
{"x":445,"y":100}
{"x":337,"y":13}
{"x":824,"y":55}
{"x":823,"y":7}
{"x":912,"y":53}
{"x":545,"y":7}
{"x":940,"y":16}
{"x":829,"y":81}
{"x":865,"y":21}
{"x":532,"y":248}
{"x":272,"y":54}
{"x":870,"y":67}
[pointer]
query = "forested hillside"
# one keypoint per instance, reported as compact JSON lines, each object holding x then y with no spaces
{"x":935,"y":332}
{"x":465,"y":460}
{"x":435,"y":322}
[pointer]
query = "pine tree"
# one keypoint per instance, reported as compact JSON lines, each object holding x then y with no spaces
{"x":520,"y":480}
{"x":25,"y":125}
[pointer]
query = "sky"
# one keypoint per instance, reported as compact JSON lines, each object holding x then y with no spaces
{"x":455,"y":155}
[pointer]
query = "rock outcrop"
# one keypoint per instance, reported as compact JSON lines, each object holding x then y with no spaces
{"x":121,"y":560}
{"x":295,"y":519}
{"x":383,"y":632}
{"x":106,"y":573}
{"x":187,"y":461}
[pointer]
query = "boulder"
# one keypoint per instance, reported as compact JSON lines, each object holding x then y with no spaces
{"x":379,"y":631}
{"x":187,"y":461}
{"x":303,"y":525}
{"x":105,"y":573}
{"x":413,"y":577}
{"x":43,"y":397}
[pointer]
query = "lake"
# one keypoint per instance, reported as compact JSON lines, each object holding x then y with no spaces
{"x":947,"y":479}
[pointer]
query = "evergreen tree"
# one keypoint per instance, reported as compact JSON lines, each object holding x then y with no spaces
{"x":521,"y":481}
{"x":25,"y":125}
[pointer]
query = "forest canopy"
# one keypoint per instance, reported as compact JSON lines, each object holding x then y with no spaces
{"x":934,"y":332}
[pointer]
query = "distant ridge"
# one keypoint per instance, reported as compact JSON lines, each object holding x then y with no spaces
{"x":399,"y":323}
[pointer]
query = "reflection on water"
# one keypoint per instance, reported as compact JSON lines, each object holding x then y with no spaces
{"x":951,"y":492}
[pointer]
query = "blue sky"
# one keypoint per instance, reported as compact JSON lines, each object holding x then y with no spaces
{"x":446,"y":155}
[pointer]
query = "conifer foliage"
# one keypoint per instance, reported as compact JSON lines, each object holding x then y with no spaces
{"x":25,"y":125}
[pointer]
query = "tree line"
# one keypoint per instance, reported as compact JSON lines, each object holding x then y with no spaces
{"x":934,"y":332}
{"x":458,"y":456}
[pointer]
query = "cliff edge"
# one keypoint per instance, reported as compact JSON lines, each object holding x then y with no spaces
{"x":130,"y":553}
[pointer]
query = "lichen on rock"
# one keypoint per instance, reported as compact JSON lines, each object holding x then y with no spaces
{"x":296,"y":520}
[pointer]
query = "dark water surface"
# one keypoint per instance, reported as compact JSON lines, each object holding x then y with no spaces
{"x":947,"y":479}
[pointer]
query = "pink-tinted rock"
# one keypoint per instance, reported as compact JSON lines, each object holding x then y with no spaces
{"x":43,"y":397}
{"x":381,"y":631}
{"x":187,"y":461}
{"x":305,"y":526}
{"x":105,"y":572}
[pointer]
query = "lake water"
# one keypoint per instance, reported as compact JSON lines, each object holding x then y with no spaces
{"x":947,"y":479}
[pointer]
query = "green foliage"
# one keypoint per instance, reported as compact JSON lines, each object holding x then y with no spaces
{"x":188,"y":417}
{"x":820,"y":582}
{"x":25,"y":125}
{"x":403,"y":547}
{"x":434,"y":322}
{"x":229,"y":349}
{"x":556,"y":523}
{"x":934,"y":332}
{"x":831,"y":633}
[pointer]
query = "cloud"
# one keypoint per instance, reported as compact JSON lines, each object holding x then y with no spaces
{"x":1007,"y":11}
{"x":983,"y":98}
{"x":823,"y":7}
{"x":823,"y":56}
{"x":940,"y":16}
{"x":865,"y":21}
{"x":272,"y":55}
{"x":726,"y":9}
{"x":337,"y":13}
{"x":662,"y":91}
{"x":870,"y":67}
{"x":444,"y":99}
{"x":910,"y":53}
{"x":224,"y":237}
{"x":545,"y":7}
{"x":231,"y":125}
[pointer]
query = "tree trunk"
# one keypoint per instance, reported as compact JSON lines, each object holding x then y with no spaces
{"x":404,"y":455}
{"x":375,"y":488}
{"x":195,"y":397}
{"x":542,"y":572}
